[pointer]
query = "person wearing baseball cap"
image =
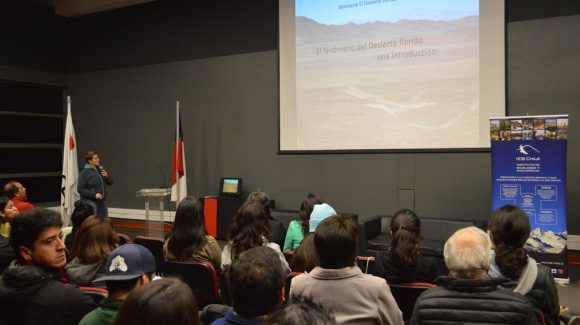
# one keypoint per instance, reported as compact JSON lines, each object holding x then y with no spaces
{"x":128,"y":267}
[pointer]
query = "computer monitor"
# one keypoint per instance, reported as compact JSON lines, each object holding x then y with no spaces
{"x":230,"y":187}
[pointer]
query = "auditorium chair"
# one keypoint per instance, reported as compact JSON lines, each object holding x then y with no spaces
{"x":406,"y":295}
{"x":201,"y":277}
{"x":568,"y":316}
{"x":288,"y":254}
{"x":98,"y":294}
{"x":288,"y":283}
{"x":123,"y":239}
{"x":366,"y":264}
{"x":285,"y":216}
{"x":373,"y":233}
{"x":223,"y":285}
{"x":155,"y":246}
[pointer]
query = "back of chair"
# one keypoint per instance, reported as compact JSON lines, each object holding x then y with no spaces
{"x":98,"y":294}
{"x":288,"y":283}
{"x":288,"y":254}
{"x":366,"y":264}
{"x":123,"y":239}
{"x":406,"y":295}
{"x":155,"y":246}
{"x":201,"y":277}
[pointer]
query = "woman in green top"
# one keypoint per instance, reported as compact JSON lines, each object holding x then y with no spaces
{"x":299,"y":228}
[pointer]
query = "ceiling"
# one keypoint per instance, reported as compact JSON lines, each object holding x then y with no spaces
{"x":73,"y":8}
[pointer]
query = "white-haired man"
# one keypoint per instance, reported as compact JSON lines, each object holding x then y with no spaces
{"x":466,"y":296}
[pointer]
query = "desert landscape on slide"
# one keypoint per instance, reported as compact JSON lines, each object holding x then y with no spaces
{"x":361,"y":79}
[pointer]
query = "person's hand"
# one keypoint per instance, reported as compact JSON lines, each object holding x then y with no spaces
{"x":104,"y":173}
{"x":99,"y":196}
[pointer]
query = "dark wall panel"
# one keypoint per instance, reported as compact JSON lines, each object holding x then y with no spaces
{"x":518,"y":10}
{"x":30,"y":160}
{"x":32,"y":36}
{"x":544,"y":78}
{"x":168,"y":31}
{"x":40,"y":189}
{"x":30,"y":99}
{"x":31,"y":129}
{"x":229,"y":109}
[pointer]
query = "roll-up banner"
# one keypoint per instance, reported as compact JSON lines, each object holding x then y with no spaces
{"x":528,"y":156}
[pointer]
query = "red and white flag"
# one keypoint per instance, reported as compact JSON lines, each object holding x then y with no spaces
{"x":70,"y":169}
{"x":179,"y":176}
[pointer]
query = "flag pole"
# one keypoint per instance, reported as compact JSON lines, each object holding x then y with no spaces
{"x":177,"y":150}
{"x":63,"y":210}
{"x":69,"y":175}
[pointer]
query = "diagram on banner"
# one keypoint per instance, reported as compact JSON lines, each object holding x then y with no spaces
{"x":534,"y":204}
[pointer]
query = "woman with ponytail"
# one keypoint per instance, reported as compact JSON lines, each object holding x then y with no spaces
{"x":404,"y":261}
{"x":508,"y":229}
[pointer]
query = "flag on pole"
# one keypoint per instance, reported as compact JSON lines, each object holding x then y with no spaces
{"x":179,"y":176}
{"x":70,"y":169}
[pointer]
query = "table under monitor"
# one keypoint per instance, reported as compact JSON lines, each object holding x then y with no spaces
{"x":218,"y":213}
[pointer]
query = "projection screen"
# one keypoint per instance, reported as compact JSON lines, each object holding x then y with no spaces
{"x":390,"y":74}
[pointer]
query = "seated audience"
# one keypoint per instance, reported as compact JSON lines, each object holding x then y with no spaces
{"x":17,"y":193}
{"x":94,"y":242}
{"x":299,"y":312}
{"x":339,"y":285}
{"x":81,"y":212}
{"x":319,"y":213}
{"x":30,"y":290}
{"x":466,"y":296}
{"x":277,"y":227}
{"x":509,"y":228}
{"x":128,"y":267}
{"x":250,"y":228}
{"x":256,"y":283}
{"x":7,"y":212}
{"x":403,"y":261}
{"x":297,"y":229}
{"x":164,"y":301}
{"x":6,"y":254}
{"x":188,"y":240}
{"x":304,"y":258}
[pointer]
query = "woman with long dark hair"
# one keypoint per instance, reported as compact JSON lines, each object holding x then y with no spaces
{"x":404,"y":260}
{"x":298,"y":229}
{"x":7,"y":211}
{"x":250,"y":228}
{"x":188,"y":240}
{"x":94,"y":241}
{"x":82,"y":211}
{"x":509,"y":229}
{"x":276,"y":227}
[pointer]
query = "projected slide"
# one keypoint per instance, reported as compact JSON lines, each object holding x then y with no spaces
{"x":385,"y":74}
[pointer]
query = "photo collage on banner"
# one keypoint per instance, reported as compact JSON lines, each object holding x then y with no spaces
{"x":529,"y":171}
